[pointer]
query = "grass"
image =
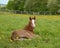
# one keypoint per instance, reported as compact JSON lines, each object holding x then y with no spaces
{"x":47,"y":27}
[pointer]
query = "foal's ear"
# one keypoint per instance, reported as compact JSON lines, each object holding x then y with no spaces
{"x":34,"y":17}
{"x":30,"y":18}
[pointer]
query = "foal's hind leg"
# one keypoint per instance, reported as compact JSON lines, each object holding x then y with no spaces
{"x":30,"y":35}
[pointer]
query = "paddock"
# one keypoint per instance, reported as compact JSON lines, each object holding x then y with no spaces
{"x":47,"y":27}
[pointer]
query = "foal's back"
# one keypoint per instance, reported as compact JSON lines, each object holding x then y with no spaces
{"x":18,"y":34}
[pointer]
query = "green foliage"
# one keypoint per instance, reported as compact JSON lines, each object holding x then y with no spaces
{"x":34,"y":5}
{"x":16,"y":5}
{"x":52,"y":5}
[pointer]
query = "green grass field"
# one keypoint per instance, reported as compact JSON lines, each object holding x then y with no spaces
{"x":47,"y":27}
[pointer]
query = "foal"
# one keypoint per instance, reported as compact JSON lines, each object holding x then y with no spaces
{"x":26,"y":33}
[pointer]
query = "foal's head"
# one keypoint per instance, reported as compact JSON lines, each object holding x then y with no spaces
{"x":32,"y":21}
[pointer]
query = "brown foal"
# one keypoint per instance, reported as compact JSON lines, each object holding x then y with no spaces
{"x":27,"y":32}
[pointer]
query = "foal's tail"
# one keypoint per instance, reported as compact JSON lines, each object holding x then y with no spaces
{"x":12,"y":36}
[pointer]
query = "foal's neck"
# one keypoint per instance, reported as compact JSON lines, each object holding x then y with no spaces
{"x":29,"y":28}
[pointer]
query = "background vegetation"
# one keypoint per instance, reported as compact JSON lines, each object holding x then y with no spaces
{"x":35,"y":5}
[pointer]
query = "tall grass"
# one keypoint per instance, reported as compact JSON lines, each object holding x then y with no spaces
{"x":47,"y":27}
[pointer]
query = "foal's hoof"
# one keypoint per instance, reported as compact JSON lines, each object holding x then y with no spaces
{"x":36,"y":35}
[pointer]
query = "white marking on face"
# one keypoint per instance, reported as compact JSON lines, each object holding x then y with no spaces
{"x":33,"y":22}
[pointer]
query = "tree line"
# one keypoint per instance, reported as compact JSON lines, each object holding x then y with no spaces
{"x":34,"y":5}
